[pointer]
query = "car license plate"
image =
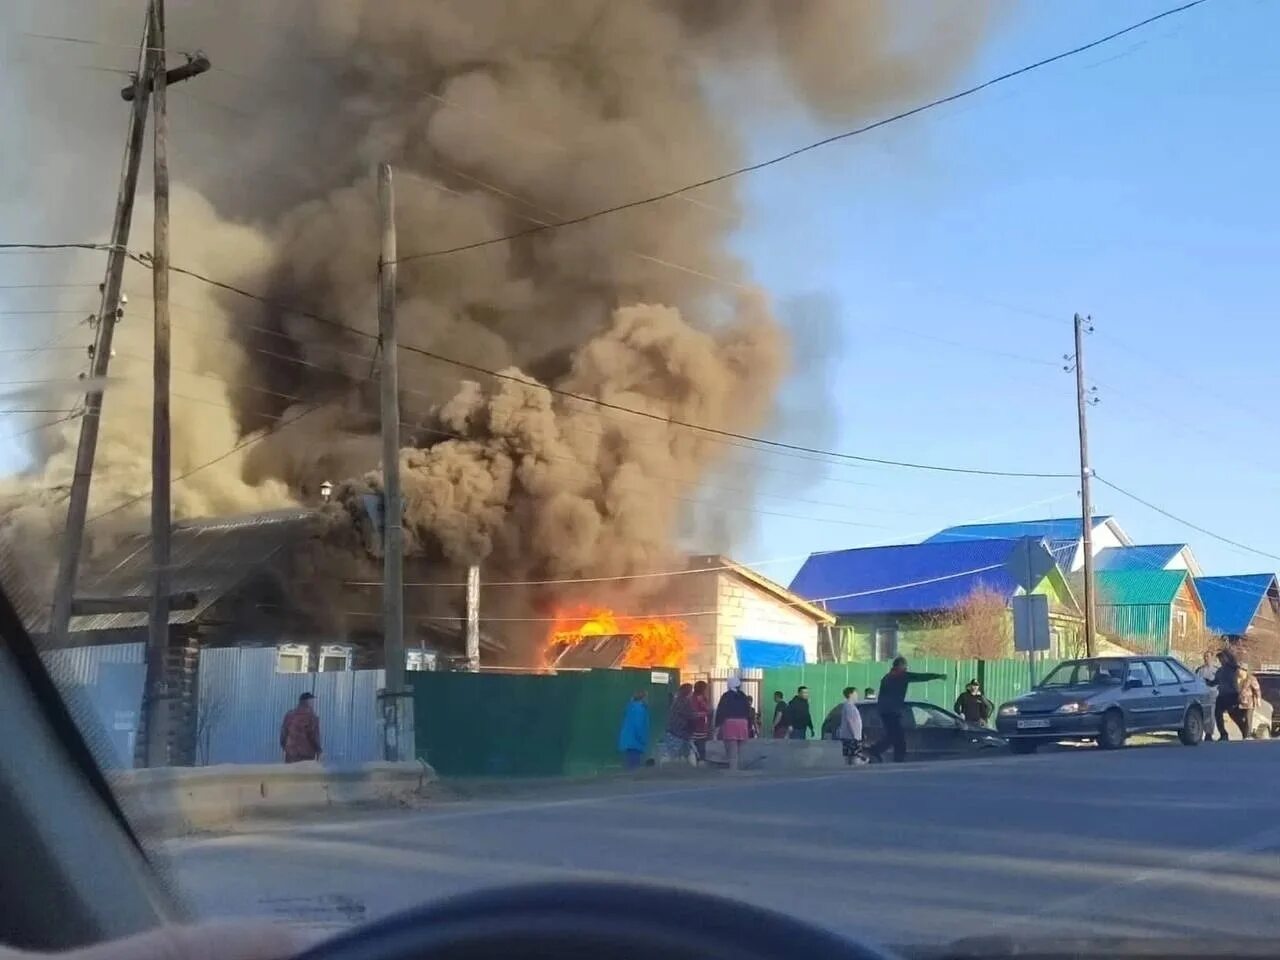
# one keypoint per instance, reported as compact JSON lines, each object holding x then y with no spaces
{"x":1032,"y":724}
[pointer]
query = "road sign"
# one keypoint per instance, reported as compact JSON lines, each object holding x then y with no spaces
{"x":1030,"y":622}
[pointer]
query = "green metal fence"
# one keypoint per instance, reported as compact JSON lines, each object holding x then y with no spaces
{"x":1001,"y":680}
{"x":499,"y":724}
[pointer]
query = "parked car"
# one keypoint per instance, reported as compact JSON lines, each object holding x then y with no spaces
{"x":931,"y":731}
{"x":1269,"y":681}
{"x":1106,"y":699}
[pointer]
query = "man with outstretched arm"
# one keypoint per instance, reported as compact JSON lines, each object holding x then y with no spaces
{"x":891,"y":701}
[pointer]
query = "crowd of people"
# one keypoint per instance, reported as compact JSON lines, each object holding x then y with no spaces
{"x":1236,"y":693}
{"x":734,"y":720}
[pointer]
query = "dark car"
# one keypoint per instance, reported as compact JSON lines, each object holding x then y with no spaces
{"x":1105,"y":699}
{"x":931,"y":731}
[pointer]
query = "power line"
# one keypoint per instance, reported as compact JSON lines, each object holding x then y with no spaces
{"x":596,"y":401}
{"x":56,"y":246}
{"x":1186,"y":523}
{"x":825,"y":141}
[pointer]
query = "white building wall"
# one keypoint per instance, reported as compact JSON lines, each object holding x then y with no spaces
{"x":744,"y":610}
{"x":1103,"y":537}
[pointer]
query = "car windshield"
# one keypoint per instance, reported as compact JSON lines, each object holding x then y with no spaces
{"x":1085,"y":673}
{"x":706,"y":443}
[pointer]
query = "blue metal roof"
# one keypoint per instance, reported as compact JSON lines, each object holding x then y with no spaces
{"x":1153,"y":557}
{"x":1231,"y":602}
{"x":1061,"y":528}
{"x":767,"y":653}
{"x":1064,"y":551}
{"x":910,"y":578}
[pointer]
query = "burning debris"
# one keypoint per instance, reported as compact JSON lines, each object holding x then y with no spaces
{"x":497,"y":116}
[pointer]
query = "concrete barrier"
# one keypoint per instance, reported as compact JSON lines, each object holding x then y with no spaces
{"x":766,"y":754}
{"x":182,"y":799}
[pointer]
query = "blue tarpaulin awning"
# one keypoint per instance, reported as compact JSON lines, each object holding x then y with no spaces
{"x":767,"y":653}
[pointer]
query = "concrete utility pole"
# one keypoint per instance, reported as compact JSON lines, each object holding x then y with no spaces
{"x":473,"y":617}
{"x":157,"y":719}
{"x":1086,"y":501}
{"x":397,"y":705}
{"x":108,"y":314}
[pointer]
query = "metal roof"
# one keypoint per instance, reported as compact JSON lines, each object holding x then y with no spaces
{"x":209,"y":557}
{"x":1145,"y":557}
{"x":909,"y":578}
{"x":1122,"y":588}
{"x":1060,"y":528}
{"x":1230,"y":603}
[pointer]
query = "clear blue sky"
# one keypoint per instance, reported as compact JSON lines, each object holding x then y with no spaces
{"x":1135,"y":183}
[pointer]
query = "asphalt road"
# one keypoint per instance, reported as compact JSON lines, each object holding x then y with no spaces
{"x":1153,"y":841}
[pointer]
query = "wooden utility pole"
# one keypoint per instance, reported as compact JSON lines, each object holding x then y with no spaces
{"x":156,"y":702}
{"x":396,"y":706}
{"x":1086,"y":501}
{"x":108,"y":314}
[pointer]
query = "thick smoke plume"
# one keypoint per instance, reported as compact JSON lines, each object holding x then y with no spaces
{"x":497,"y":115}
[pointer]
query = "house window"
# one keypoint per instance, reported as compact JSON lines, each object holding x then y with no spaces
{"x":292,"y":658}
{"x":1180,"y":624}
{"x":886,"y":643}
{"x":335,"y":658}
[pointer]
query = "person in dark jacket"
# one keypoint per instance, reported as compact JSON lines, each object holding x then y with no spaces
{"x":973,"y":705}
{"x":733,"y":721}
{"x":1224,"y":681}
{"x":798,"y":717}
{"x":779,"y":715}
{"x":891,"y":700}
{"x":700,"y":720}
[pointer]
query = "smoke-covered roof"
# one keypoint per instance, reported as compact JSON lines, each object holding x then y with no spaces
{"x":209,"y":558}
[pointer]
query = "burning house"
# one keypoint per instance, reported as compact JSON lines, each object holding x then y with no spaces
{"x":722,"y":615}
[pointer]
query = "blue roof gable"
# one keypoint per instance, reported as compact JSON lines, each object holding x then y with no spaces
{"x":1231,"y":602}
{"x":909,"y":578}
{"x":1154,"y":557}
{"x":1061,"y":528}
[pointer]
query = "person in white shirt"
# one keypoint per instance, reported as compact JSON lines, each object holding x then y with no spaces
{"x":850,"y":730}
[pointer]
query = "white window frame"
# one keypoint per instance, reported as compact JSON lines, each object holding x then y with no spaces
{"x":300,"y":650}
{"x":332,"y":651}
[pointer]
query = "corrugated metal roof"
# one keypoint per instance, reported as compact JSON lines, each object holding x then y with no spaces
{"x":1060,"y":528}
{"x":909,"y":578}
{"x":1145,"y":557}
{"x":1135,"y":587}
{"x":1064,"y":551}
{"x":1231,"y":602}
{"x":209,"y":557}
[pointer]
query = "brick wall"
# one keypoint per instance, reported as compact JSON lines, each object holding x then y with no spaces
{"x":744,"y":610}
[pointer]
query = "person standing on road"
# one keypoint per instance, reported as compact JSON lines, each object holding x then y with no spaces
{"x":1224,"y":681}
{"x":892,"y":700}
{"x":700,"y":728}
{"x":633,"y":738}
{"x":973,"y":704}
{"x":300,"y":732}
{"x":675,"y":743}
{"x":1248,"y":693}
{"x":1206,"y":672}
{"x":733,"y":721}
{"x":798,"y":717}
{"x":849,"y":732}
{"x":779,"y":715}
{"x":755,"y":717}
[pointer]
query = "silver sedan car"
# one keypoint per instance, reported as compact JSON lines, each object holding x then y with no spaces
{"x":1105,"y":699}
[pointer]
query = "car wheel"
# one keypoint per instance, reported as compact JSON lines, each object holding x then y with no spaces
{"x":1023,"y":747}
{"x":1111,"y":734}
{"x":1192,"y":731}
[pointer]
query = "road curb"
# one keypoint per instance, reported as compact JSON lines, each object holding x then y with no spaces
{"x":175,"y":800}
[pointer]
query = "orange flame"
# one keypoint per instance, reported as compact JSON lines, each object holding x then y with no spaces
{"x":656,"y":641}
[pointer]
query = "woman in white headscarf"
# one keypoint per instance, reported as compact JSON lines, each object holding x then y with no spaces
{"x":733,"y":721}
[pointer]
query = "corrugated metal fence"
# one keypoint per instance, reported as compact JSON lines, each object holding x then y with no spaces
{"x":102,"y":687}
{"x":242,"y":700}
